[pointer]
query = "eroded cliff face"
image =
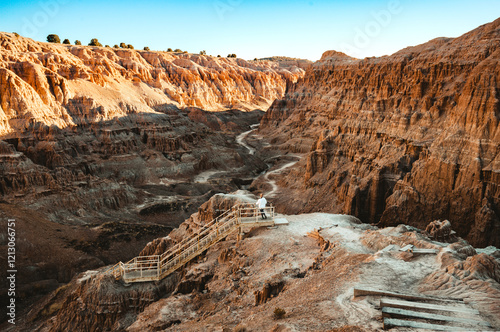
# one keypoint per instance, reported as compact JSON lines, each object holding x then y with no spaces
{"x":66,"y":85}
{"x":103,"y":150}
{"x":406,"y":138}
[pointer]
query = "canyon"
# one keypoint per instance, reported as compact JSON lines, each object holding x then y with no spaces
{"x":407,"y":138}
{"x":110,"y":153}
{"x":237,"y":286}
{"x":104,"y":149}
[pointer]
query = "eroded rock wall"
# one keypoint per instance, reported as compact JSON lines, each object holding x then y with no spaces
{"x":66,"y":85}
{"x":407,"y":138}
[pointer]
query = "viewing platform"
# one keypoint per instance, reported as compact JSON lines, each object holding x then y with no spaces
{"x":157,"y":267}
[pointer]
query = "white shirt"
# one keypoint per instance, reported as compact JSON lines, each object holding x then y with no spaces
{"x":261,"y":203}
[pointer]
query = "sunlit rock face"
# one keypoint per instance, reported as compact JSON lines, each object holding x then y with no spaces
{"x":101,"y":148}
{"x":407,"y":138}
{"x":65,"y":85}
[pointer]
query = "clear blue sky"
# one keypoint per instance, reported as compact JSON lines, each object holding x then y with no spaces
{"x":251,"y":29}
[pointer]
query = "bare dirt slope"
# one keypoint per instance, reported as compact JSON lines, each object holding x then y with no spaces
{"x":237,"y":285}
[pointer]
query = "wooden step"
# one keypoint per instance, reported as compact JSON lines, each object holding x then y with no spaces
{"x":393,"y":322}
{"x":424,"y":251}
{"x":402,"y":313}
{"x":427,"y":306}
{"x":364,"y":291}
{"x":408,"y":247}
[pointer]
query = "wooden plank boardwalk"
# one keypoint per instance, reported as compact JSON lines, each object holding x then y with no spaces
{"x":425,"y":312}
{"x":368,"y":291}
{"x":157,"y":267}
{"x":389,"y":323}
{"x":427,"y":306}
{"x":402,"y":313}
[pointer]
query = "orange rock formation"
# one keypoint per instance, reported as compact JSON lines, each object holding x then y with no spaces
{"x":407,"y":138}
{"x":64,"y":85}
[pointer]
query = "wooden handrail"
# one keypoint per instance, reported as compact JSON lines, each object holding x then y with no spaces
{"x":156,"y":267}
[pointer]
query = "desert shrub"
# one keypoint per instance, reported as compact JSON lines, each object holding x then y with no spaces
{"x":130,"y":46}
{"x":177,"y":50}
{"x":218,"y":55}
{"x":116,"y":46}
{"x":169,"y":50}
{"x":94,"y":42}
{"x":146,"y":48}
{"x":107,"y":46}
{"x":53,"y":39}
{"x":77,"y":42}
{"x":240,"y":328}
{"x":16,"y":34}
{"x":66,"y":41}
{"x":231,"y":55}
{"x":203,"y":52}
{"x":123,"y":45}
{"x":279,"y":313}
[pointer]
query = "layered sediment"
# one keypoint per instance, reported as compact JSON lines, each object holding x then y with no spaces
{"x":67,"y":85}
{"x":102,"y":150}
{"x":407,"y":138}
{"x":238,"y":285}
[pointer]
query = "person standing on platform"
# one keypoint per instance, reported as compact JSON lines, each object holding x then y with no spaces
{"x":261,"y":204}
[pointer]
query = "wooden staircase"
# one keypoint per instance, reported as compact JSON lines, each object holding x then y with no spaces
{"x":425,"y":312}
{"x":157,"y":267}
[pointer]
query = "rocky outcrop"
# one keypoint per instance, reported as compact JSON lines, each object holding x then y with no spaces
{"x":480,"y":272}
{"x":104,"y":189}
{"x":67,"y":85}
{"x":98,"y":303}
{"x":242,"y":283}
{"x":407,"y":138}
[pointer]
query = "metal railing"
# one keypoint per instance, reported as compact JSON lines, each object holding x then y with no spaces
{"x":157,"y":267}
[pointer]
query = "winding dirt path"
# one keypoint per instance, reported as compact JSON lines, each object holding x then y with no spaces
{"x":273,"y":184}
{"x":240,"y":139}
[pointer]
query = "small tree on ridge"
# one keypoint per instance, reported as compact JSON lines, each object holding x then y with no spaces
{"x":94,"y":42}
{"x":53,"y":39}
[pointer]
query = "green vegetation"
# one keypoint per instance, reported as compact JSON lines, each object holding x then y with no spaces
{"x":169,"y":50}
{"x":116,"y":46}
{"x":146,"y":48}
{"x":77,"y":42}
{"x":231,"y":55}
{"x":66,"y":42}
{"x":279,"y":313}
{"x":130,"y":46}
{"x":16,"y":34}
{"x":177,"y":50}
{"x":53,"y":39}
{"x":123,"y":45}
{"x":203,"y":52}
{"x":94,"y":42}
